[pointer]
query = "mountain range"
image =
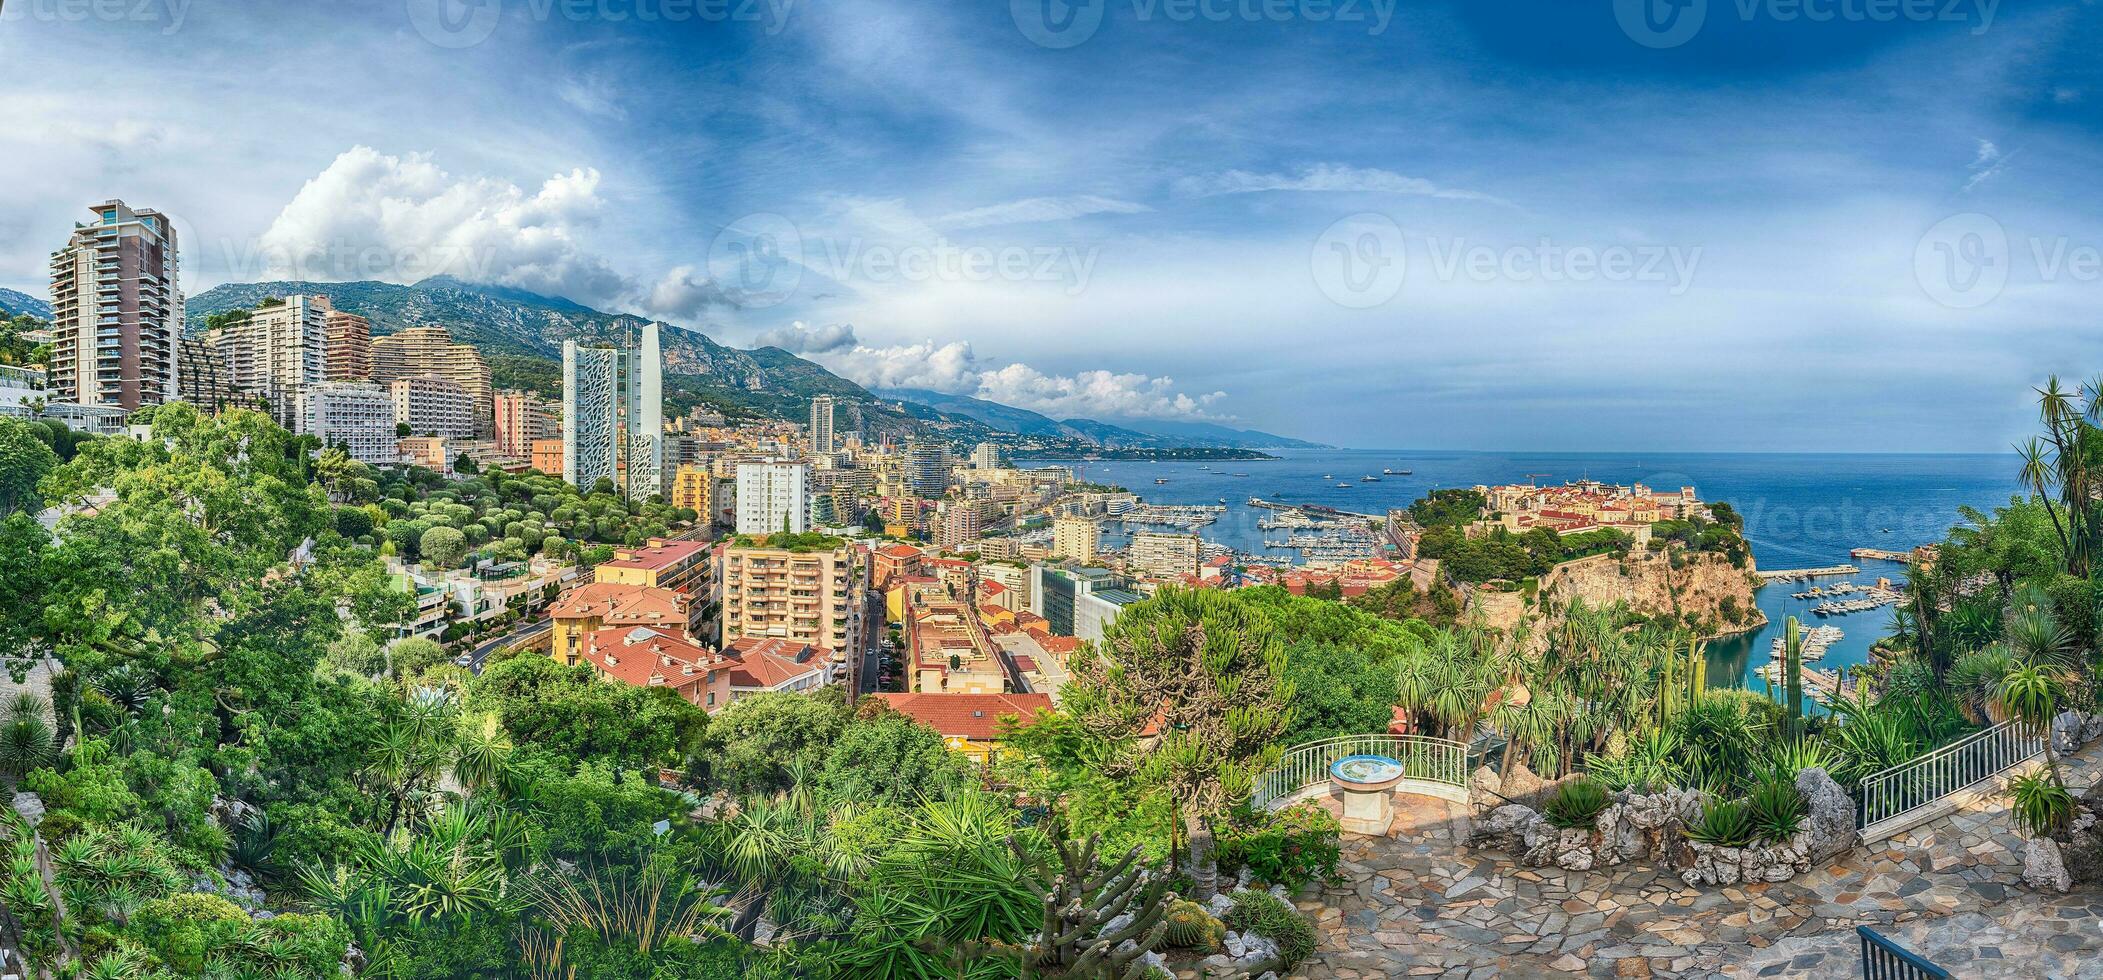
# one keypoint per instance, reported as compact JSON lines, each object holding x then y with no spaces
{"x":521,"y":334}
{"x":14,"y":303}
{"x":1135,"y":434}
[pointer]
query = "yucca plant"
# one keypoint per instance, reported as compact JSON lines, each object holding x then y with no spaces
{"x":1577,"y":803}
{"x":1777,"y":809}
{"x":2039,"y":804}
{"x":1796,"y":755}
{"x":1724,"y":823}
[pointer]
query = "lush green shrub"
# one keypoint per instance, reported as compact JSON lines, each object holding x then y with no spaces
{"x":1577,"y":803}
{"x":2040,"y":805}
{"x":1724,"y":823}
{"x":1777,"y":808}
{"x":1294,"y":847}
{"x":1269,"y":916}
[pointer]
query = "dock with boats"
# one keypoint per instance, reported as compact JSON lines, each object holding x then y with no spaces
{"x":1804,"y":574}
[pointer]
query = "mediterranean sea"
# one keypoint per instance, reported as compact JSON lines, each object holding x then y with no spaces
{"x":1801,"y":510}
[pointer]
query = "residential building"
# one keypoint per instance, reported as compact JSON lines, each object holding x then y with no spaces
{"x":591,"y":415}
{"x":812,"y":593}
{"x":277,"y":352}
{"x":432,"y":405}
{"x":762,"y":664}
{"x":204,"y":380}
{"x":773,"y":497}
{"x":695,"y":487}
{"x":428,"y":452}
{"x":894,"y":561}
{"x":548,"y":457}
{"x":985,"y":456}
{"x":418,"y":351}
{"x":595,"y":606}
{"x":613,"y":412}
{"x":1075,"y":538}
{"x":927,"y":469}
{"x":116,"y":311}
{"x":1162,"y":554}
{"x":349,"y":347}
{"x":356,"y":415}
{"x":1078,"y":602}
{"x":969,"y":723}
{"x":641,"y":656}
{"x":821,"y":424}
{"x":958,"y":527}
{"x":661,"y":563}
{"x":521,"y":419}
{"x":947,"y":648}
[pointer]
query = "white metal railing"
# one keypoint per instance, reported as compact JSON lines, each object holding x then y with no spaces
{"x":1921,"y":782}
{"x":1436,"y":760}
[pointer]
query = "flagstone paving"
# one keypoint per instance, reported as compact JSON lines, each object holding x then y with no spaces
{"x":1420,"y":904}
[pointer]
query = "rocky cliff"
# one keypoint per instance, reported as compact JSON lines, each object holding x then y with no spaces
{"x":1702,"y":591}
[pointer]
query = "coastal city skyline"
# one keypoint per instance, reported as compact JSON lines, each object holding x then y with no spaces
{"x":1149,"y":257}
{"x":883,"y":490}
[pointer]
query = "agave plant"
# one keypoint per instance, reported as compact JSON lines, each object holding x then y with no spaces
{"x":1724,"y":823}
{"x":1777,"y":809}
{"x":1577,"y":804}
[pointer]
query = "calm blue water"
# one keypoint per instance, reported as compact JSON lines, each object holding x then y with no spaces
{"x":1801,"y":510}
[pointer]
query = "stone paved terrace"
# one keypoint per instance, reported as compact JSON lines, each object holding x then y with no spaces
{"x":1420,"y":904}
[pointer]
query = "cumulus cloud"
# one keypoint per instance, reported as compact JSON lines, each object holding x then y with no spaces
{"x":371,"y":215}
{"x":1035,"y":209}
{"x":684,"y":294}
{"x":1327,"y":178}
{"x":796,"y":338}
{"x":953,"y":368}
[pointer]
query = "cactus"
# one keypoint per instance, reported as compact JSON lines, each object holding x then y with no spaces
{"x":1682,"y":687}
{"x":1793,"y":674}
{"x":1191,"y":927}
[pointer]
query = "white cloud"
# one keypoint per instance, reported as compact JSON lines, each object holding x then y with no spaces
{"x":1987,"y":164}
{"x":796,"y":338}
{"x":682,"y":295}
{"x":1034,"y":209}
{"x":370,"y":215}
{"x":953,"y":368}
{"x":1328,"y":178}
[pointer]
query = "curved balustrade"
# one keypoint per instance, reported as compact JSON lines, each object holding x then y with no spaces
{"x":1433,"y":766}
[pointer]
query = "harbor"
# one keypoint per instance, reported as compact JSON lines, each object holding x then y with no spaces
{"x":1806,"y":574}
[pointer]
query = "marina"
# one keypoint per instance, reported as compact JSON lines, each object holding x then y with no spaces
{"x":1816,"y":641}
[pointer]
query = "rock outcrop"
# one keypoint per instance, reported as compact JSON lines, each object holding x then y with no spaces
{"x":1830,"y":814}
{"x":1700,"y":588}
{"x":2044,"y":866}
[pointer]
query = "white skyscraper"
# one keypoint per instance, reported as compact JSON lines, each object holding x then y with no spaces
{"x":277,"y":353}
{"x":590,"y":414}
{"x":769,"y":493}
{"x":356,"y":415}
{"x":613,"y":402}
{"x":821,"y":424}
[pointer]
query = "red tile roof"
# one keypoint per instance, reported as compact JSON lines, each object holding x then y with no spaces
{"x":768,"y":663}
{"x":622,"y":604}
{"x":970,"y":716}
{"x":661,"y":555}
{"x":639,"y":655}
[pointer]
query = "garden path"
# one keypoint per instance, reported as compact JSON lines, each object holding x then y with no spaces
{"x":1418,"y":903}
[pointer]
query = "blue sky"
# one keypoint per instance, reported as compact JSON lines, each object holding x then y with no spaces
{"x":1830,"y":225}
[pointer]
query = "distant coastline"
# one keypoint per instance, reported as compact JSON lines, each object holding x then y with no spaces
{"x":1183,"y":454}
